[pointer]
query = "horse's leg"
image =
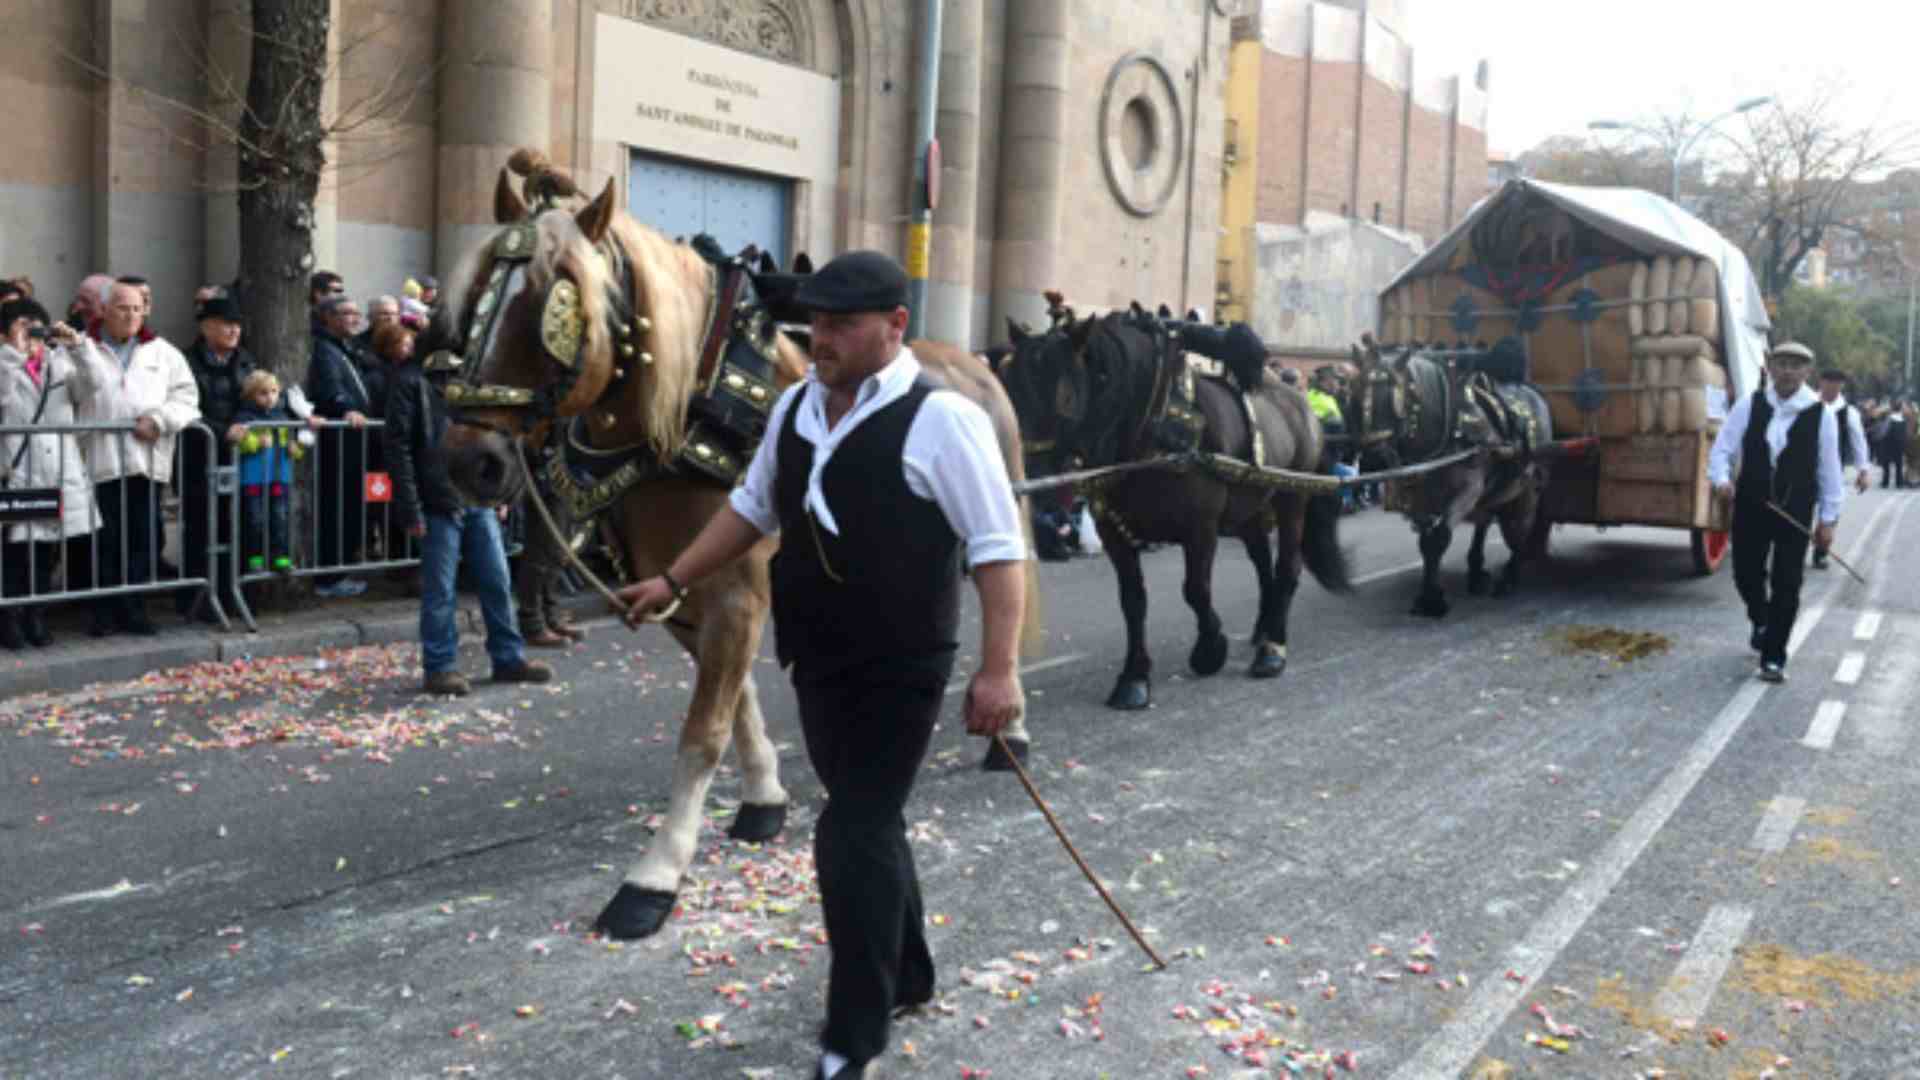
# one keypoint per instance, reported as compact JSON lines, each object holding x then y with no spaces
{"x":1133,"y":690}
{"x":724,"y":647}
{"x":1270,"y":650}
{"x":1260,"y":551}
{"x":763,"y":802}
{"x":1432,"y":602}
{"x":1210,"y":650}
{"x":1478,"y":580}
{"x":1516,"y":529}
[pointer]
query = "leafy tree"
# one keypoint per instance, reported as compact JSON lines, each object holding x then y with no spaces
{"x":1835,"y":327}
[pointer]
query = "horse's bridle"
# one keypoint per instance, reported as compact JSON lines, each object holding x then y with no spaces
{"x":563,"y":337}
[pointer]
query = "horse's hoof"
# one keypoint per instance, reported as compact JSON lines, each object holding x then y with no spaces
{"x":1479,"y":583}
{"x":634,"y":913}
{"x":1432,"y":605}
{"x":1130,"y":694}
{"x":998,"y":760}
{"x":1209,"y":654}
{"x":1268,"y":663}
{"x":1502,"y":587}
{"x":755,"y":823}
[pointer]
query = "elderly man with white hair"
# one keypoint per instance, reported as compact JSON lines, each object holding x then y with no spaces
{"x":153,"y":388}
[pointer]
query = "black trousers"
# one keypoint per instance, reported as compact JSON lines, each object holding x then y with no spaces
{"x":1893,"y":468}
{"x":1769,"y":563}
{"x":30,"y":565}
{"x":867,"y":734}
{"x":129,"y":515}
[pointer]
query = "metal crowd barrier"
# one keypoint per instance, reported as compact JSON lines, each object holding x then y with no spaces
{"x":347,"y":503}
{"x":126,"y":537}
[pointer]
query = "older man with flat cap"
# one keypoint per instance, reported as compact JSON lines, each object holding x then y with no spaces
{"x":1788,"y":449}
{"x":880,"y":484}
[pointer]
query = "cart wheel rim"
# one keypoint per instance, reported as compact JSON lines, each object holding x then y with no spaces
{"x":1710,"y":548}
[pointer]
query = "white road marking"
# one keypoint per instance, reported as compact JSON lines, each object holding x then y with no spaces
{"x":1448,"y":1051}
{"x":1826,"y":724}
{"x":1038,"y":665}
{"x":1378,"y":575}
{"x":1851,"y":666}
{"x":112,"y":892}
{"x":1776,"y":825}
{"x":1687,"y":993}
{"x":1867,"y":627}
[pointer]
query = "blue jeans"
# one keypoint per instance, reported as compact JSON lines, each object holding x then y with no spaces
{"x":471,"y":537}
{"x":1343,"y":470}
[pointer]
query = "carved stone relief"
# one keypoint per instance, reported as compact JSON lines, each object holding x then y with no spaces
{"x":771,"y":28}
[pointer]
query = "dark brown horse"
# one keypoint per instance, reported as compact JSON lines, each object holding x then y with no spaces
{"x":1422,"y":405}
{"x":1115,"y":389}
{"x":587,"y":326}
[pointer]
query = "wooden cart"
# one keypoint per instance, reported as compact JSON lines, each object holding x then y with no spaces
{"x":1639,"y":323}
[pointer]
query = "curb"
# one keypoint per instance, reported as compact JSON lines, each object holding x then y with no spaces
{"x":84,"y":663}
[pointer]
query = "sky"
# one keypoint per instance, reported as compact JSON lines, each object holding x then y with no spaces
{"x":1557,"y":65}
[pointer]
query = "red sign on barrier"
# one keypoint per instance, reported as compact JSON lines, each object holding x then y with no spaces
{"x":379,"y":487}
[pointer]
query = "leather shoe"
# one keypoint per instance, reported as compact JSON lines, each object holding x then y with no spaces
{"x":1772,"y":672}
{"x":548,"y":638}
{"x":447,"y":683}
{"x":528,"y":671}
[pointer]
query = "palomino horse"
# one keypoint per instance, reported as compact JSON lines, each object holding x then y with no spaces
{"x":1421,"y":405}
{"x":1116,"y":389}
{"x":590,"y":326}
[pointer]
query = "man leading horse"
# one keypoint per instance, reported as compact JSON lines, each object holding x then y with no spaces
{"x":879,"y":484}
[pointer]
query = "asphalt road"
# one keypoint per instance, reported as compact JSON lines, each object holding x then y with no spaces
{"x":1388,"y":863}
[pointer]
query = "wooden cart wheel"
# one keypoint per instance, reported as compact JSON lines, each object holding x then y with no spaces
{"x":1709,"y":550}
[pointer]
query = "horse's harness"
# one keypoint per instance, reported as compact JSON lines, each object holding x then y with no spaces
{"x":1423,"y":404}
{"x":727,"y":413}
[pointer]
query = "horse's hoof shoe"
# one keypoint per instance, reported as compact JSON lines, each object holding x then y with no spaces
{"x":1479,"y":584}
{"x":1432,"y":606}
{"x":755,"y":823}
{"x":1130,"y":694}
{"x":634,"y":913}
{"x":998,"y":760}
{"x":1209,"y":655}
{"x":1268,"y":665}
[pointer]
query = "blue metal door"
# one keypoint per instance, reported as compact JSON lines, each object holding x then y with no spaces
{"x":682,"y":199}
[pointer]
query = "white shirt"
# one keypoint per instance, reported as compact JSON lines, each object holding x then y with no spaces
{"x":1832,"y":486}
{"x":1856,"y":432}
{"x":950,"y":457}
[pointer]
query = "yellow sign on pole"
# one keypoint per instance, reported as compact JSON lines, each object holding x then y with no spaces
{"x":919,"y":249}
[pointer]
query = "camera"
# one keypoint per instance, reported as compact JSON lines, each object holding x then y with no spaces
{"x":38,"y":332}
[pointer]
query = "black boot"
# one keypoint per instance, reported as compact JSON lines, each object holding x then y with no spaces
{"x":33,"y":624}
{"x":10,"y":638}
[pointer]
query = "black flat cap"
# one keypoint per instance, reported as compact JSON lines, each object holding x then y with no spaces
{"x":858,"y":281}
{"x":220,"y":307}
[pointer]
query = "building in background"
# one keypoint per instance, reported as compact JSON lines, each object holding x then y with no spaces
{"x":1345,"y":157}
{"x":1081,"y":138}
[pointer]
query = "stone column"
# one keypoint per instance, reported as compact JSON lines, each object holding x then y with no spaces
{"x":1032,"y":163}
{"x":496,"y":96}
{"x":950,"y":314}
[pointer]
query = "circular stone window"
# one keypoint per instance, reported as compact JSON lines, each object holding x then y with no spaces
{"x":1142,"y":134}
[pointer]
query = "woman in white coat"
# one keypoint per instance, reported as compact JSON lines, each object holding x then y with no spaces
{"x":44,"y":377}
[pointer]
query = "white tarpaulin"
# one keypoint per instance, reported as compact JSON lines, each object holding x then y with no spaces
{"x":1652,"y":226}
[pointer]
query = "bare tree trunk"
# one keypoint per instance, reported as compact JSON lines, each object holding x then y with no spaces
{"x":282,"y":154}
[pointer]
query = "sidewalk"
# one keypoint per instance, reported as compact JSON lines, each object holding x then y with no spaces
{"x":75,"y":660}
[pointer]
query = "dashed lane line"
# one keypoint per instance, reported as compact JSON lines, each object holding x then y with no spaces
{"x":1448,"y":1051}
{"x":1826,"y":725}
{"x":1684,"y":999}
{"x":1850,"y":669}
{"x":1867,"y":626}
{"x":1776,"y":825}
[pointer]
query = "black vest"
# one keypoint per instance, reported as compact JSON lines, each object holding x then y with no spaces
{"x":888,"y":587}
{"x":1792,"y":482}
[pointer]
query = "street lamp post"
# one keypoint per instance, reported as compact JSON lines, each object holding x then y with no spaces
{"x":1680,"y":153}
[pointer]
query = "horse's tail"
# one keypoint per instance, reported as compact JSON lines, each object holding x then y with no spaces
{"x":1320,"y":545}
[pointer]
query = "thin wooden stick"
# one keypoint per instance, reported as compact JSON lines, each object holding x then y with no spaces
{"x":1027,"y":782}
{"x":1831,"y":554}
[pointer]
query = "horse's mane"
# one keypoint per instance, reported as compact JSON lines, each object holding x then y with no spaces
{"x":1121,"y":362}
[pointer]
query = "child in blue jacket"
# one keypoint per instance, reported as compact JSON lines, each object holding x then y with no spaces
{"x":266,"y":456}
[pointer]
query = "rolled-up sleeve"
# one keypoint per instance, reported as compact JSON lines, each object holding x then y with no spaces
{"x":1833,"y":486}
{"x":753,"y":498}
{"x":953,"y":458}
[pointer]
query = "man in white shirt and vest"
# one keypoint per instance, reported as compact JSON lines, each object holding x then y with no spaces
{"x":1853,"y":440}
{"x":1788,"y":447}
{"x":879,"y":485}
